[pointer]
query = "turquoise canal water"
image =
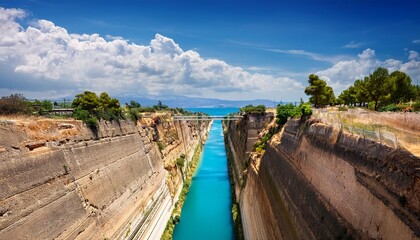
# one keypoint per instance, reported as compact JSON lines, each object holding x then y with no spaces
{"x":206,"y":213}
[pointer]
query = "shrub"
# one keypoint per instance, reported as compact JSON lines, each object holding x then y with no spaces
{"x":180,"y":161}
{"x":289,"y":110}
{"x":91,"y":122}
{"x":43,"y":107}
{"x":86,"y":117}
{"x":134,"y":114}
{"x":146,"y":109}
{"x":254,"y":110}
{"x":109,"y":115}
{"x":176,"y":219}
{"x":237,"y":221}
{"x":14,"y":104}
{"x":306,"y":109}
{"x":260,"y":145}
{"x":286,"y":111}
{"x":389,"y":108}
{"x":160,"y":106}
{"x":161,"y":146}
{"x":416,"y":106}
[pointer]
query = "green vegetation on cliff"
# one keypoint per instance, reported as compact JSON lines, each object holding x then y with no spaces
{"x":260,"y":145}
{"x":89,"y":108}
{"x":176,"y":213}
{"x":254,"y":110}
{"x":289,"y":110}
{"x":237,"y":220}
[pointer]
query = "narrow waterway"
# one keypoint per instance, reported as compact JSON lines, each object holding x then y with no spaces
{"x":206,"y":213}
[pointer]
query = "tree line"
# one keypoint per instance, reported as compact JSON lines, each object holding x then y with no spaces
{"x":380,"y":91}
{"x":87,"y":106}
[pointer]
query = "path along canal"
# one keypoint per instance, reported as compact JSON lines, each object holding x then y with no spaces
{"x":206,"y":213}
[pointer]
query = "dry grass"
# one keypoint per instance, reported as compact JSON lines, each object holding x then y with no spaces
{"x":362,"y":124}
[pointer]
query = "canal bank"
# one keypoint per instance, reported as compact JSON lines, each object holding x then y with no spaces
{"x":206,"y":213}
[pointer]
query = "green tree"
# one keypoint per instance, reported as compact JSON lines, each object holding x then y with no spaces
{"x":361,"y":94}
{"x":104,"y":101}
{"x":160,"y":106}
{"x":88,"y":101}
{"x":417,"y":92}
{"x":89,"y":108}
{"x":134,"y":104}
{"x":109,"y":108}
{"x":377,"y":86}
{"x":44,"y":107}
{"x":321,"y":94}
{"x":348,"y":96}
{"x":86,"y":108}
{"x":401,"y":88}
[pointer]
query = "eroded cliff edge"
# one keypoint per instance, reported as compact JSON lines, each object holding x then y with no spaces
{"x":61,"y":180}
{"x":317,"y":181}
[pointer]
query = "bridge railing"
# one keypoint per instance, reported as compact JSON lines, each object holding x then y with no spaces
{"x":207,"y":118}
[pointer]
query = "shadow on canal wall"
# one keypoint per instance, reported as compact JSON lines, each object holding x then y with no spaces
{"x":315,"y":181}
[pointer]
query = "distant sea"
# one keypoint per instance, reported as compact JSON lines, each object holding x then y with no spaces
{"x":215,"y":111}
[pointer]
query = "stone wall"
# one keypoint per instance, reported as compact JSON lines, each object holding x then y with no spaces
{"x":320,"y":182}
{"x":61,"y":180}
{"x":241,"y":137}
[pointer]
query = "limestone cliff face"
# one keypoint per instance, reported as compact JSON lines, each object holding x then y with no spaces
{"x":60,"y":180}
{"x":315,"y":181}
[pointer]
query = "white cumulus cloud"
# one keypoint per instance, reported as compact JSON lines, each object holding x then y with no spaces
{"x":344,"y":73}
{"x":45,"y":58}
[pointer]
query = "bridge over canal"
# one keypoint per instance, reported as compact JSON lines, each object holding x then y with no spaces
{"x":207,"y":118}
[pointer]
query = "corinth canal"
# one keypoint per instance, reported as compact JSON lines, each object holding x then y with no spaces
{"x":206,"y":213}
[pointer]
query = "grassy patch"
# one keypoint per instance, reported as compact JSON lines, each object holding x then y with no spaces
{"x":260,"y":145}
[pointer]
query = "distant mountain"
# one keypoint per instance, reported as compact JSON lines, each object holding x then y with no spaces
{"x":188,"y":102}
{"x":181,"y":101}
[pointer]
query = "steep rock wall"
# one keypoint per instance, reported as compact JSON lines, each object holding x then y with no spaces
{"x":318,"y":182}
{"x":241,"y":137}
{"x":61,"y":180}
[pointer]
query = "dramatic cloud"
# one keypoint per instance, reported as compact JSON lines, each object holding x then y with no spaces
{"x":44,"y":61}
{"x":353,"y":44}
{"x":344,"y":73}
{"x":46,"y":58}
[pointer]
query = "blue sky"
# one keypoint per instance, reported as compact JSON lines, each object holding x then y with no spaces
{"x":247,"y":49}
